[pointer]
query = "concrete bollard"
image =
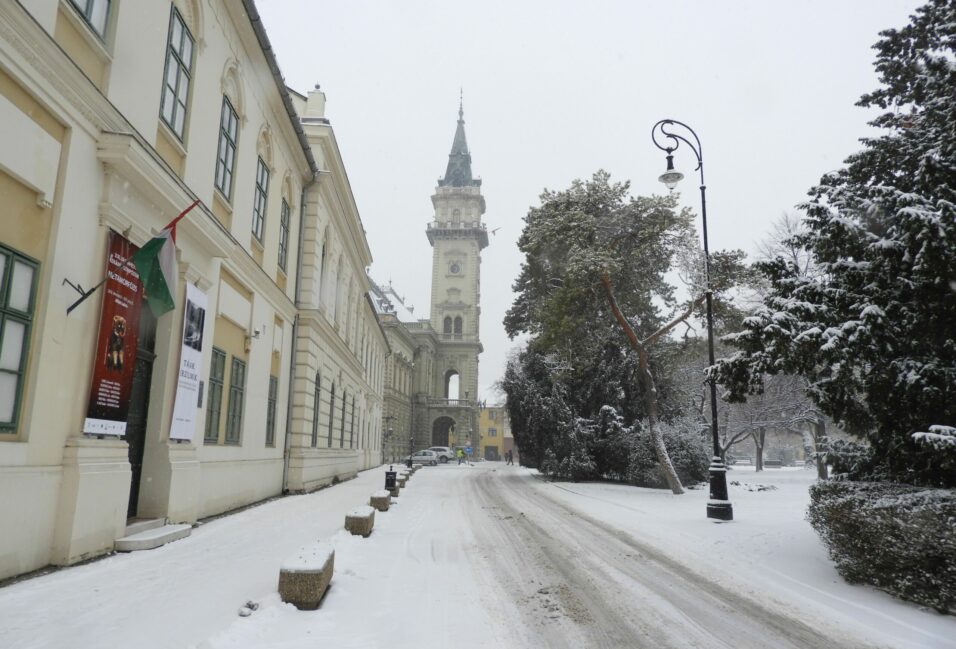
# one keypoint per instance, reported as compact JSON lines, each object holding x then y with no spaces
{"x":380,"y":500}
{"x":304,"y":577}
{"x":360,"y":521}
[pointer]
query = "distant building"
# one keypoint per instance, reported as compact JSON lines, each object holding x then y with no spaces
{"x":431,"y":384}
{"x":492,"y":425}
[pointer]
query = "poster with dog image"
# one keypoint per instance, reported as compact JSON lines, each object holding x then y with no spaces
{"x":115,"y":356}
{"x":183,"y":425}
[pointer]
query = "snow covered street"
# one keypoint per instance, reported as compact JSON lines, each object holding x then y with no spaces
{"x":484,"y":556}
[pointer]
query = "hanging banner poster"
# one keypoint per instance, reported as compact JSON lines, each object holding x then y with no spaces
{"x":115,"y":356}
{"x":183,"y":425}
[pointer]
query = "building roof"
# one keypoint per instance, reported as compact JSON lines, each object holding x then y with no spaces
{"x":388,"y":302}
{"x":458,"y":172}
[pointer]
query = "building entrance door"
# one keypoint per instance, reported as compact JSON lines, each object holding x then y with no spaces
{"x":139,"y":402}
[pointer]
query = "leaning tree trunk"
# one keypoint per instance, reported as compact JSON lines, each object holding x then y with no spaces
{"x":759,"y":438}
{"x":649,"y":388}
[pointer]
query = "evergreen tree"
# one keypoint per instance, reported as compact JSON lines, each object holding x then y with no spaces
{"x":593,"y":282}
{"x":873,"y":329}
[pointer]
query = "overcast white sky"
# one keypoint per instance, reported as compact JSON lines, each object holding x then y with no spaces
{"x":555,"y":90}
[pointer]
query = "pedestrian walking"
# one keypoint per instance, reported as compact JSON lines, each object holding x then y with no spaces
{"x":461,"y":456}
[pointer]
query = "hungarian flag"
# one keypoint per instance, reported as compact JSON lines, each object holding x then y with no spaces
{"x":156,"y":264}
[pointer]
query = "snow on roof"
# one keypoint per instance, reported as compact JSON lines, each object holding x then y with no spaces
{"x":387,"y":301}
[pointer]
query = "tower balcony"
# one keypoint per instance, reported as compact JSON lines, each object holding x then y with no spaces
{"x":458,"y":230}
{"x":450,"y":403}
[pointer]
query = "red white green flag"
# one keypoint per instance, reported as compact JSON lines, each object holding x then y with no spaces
{"x":155,"y":263}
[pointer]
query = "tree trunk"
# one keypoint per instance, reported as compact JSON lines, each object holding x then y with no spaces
{"x":819,"y":443}
{"x":759,"y":438}
{"x":649,"y":388}
{"x":650,"y":403}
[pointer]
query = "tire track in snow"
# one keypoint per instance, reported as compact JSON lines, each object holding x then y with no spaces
{"x":619,"y":592}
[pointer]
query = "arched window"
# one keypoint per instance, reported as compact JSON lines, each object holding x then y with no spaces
{"x":458,"y":324}
{"x":352,"y":425}
{"x":331,"y":412}
{"x":447,"y":325}
{"x":451,"y":384}
{"x":316,"y":402}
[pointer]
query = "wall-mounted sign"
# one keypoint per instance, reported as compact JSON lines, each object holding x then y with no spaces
{"x":116,"y":343}
{"x":183,"y":425}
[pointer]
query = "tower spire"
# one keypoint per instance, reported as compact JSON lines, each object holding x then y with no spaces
{"x":458,"y":172}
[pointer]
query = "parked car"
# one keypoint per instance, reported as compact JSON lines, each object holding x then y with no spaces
{"x":444,"y":453}
{"x":424,"y":457}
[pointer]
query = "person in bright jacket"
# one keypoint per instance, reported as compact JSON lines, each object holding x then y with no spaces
{"x":460,"y":454}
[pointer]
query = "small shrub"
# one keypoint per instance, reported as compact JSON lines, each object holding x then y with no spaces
{"x":899,"y":538}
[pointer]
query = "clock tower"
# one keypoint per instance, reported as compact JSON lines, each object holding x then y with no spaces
{"x":457,"y":236}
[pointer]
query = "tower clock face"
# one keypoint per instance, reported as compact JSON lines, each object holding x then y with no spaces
{"x":454,"y":268}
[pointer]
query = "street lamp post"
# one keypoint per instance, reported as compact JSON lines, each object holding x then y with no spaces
{"x":718,"y":506}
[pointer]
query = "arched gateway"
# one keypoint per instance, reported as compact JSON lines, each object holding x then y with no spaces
{"x":443,"y":432}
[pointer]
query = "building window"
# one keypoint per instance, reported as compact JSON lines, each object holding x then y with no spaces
{"x":217,"y":372}
{"x":342,"y":427}
{"x":18,"y":276}
{"x":177,"y":77}
{"x":492,"y":415}
{"x":226,"y":156}
{"x":237,"y":394}
{"x":316,"y":402}
{"x":492,"y":432}
{"x":331,"y":413}
{"x":458,"y":324}
{"x":284,"y":235}
{"x":95,"y":13}
{"x":446,"y":326}
{"x":352,"y":425}
{"x":271,"y":411}
{"x":259,"y":201}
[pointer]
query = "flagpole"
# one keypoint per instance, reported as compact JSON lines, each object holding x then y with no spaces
{"x":129,"y":260}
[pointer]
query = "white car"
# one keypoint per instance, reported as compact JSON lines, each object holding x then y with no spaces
{"x":424,"y":457}
{"x":444,"y":453}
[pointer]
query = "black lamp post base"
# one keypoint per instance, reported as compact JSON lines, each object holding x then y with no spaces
{"x":719,"y":507}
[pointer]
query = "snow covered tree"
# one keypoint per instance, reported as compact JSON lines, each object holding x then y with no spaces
{"x":873,"y":329}
{"x":595,"y":269}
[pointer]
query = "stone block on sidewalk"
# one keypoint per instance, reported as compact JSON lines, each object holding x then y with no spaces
{"x":394,"y":491}
{"x":360,"y":520}
{"x":380,"y":500}
{"x":305,"y":576}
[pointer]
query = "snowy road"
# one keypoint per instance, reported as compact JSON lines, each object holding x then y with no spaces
{"x":483,"y":557}
{"x":579,"y":582}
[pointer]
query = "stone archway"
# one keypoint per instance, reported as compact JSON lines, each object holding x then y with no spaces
{"x":442,"y":431}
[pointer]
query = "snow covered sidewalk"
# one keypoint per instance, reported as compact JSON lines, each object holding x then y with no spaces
{"x":411,"y":579}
